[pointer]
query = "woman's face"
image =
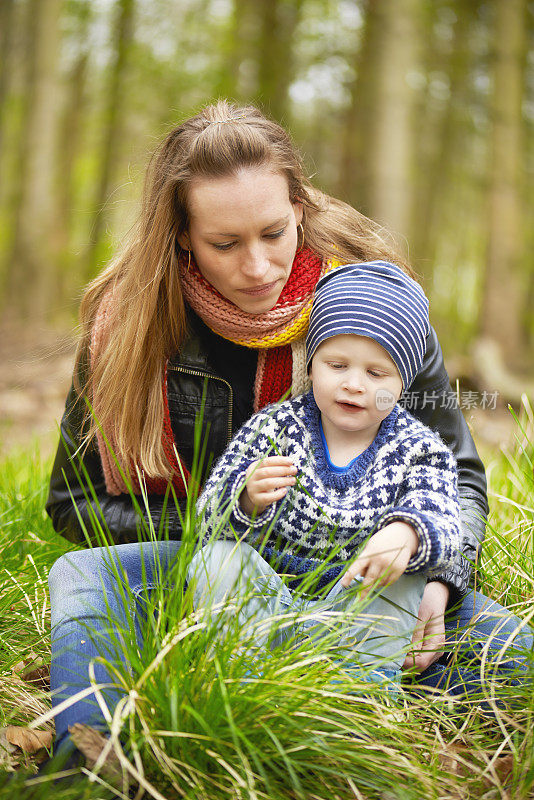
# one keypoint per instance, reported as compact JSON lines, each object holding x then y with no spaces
{"x":243,"y":233}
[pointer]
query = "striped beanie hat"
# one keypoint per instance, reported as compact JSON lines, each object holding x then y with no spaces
{"x":373,"y":299}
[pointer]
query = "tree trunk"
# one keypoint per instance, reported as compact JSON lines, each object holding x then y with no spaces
{"x":500,"y":317}
{"x":32,"y":261}
{"x":68,"y":149}
{"x":113,"y":127}
{"x":278,"y":21}
{"x":6,"y":33}
{"x":354,"y":179}
{"x":391,"y":133}
{"x":12,"y":278}
{"x":236,"y":48}
{"x":443,"y":148}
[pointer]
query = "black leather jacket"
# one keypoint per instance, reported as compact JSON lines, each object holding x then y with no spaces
{"x":430,"y":399}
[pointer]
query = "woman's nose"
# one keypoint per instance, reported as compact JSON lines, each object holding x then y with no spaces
{"x":255,"y":263}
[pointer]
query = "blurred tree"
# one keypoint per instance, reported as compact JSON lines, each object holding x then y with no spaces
{"x":389,"y":100}
{"x":237,"y":47}
{"x":391,"y":134}
{"x":500,"y":317}
{"x":112,"y":126}
{"x":443,"y":124}
{"x":6,"y":37}
{"x":277,"y":23}
{"x":32,"y":261}
{"x":354,"y":177}
{"x":78,"y":15}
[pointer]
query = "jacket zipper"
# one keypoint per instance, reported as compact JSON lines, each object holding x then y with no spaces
{"x":199,"y":372}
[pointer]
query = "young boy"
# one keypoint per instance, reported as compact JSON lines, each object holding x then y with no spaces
{"x":308,"y":481}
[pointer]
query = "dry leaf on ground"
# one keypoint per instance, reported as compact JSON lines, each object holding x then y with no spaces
{"x":27,"y":740}
{"x":38,"y":677}
{"x":31,"y":661}
{"x":457,"y":760}
{"x":503,"y":767}
{"x":16,"y":744}
{"x":7,"y":751}
{"x":32,"y":670}
{"x":91,"y":743}
{"x":453,"y":760}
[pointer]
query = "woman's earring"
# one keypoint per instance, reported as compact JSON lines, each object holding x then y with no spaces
{"x":188,"y":260}
{"x":302,"y":231}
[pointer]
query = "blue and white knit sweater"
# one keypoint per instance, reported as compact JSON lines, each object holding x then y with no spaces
{"x":406,"y":474}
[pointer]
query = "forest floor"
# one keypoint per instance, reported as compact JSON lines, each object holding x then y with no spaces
{"x":35,"y":373}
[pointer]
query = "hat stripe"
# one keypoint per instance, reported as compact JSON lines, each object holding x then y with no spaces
{"x":373,"y":299}
{"x":343,"y":312}
{"x":374,"y":296}
{"x":371,"y":328}
{"x":336,"y":314}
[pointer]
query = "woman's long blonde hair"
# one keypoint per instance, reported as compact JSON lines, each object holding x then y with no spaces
{"x":148,"y":323}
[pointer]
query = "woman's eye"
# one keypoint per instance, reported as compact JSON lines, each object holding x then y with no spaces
{"x":225,"y":246}
{"x":276,"y":234}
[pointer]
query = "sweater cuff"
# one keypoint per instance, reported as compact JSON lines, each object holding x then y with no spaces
{"x":241,"y":517}
{"x":422,"y":559}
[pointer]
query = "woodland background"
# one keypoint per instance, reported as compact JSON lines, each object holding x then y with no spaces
{"x":418,"y":112}
{"x":421,"y":114}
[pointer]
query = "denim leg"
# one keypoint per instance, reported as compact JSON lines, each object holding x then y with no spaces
{"x":243,"y":588}
{"x":376,"y":630}
{"x":91,"y":616}
{"x":481,"y":630}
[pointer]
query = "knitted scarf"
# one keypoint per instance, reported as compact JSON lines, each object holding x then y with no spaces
{"x":278,"y":335}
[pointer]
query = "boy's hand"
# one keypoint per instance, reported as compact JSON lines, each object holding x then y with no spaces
{"x":267,"y":482}
{"x":385,"y":556}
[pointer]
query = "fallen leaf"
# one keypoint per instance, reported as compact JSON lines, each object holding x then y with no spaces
{"x":503,"y":767}
{"x":450,"y":760}
{"x":31,"y":661}
{"x":38,"y":677}
{"x":7,"y":750}
{"x":458,"y":760}
{"x":91,"y":742}
{"x":27,"y":740}
{"x":32,"y":670}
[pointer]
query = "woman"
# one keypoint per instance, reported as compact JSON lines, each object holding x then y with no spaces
{"x":212,"y":295}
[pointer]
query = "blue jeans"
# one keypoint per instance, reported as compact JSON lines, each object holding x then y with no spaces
{"x":89,"y":616}
{"x":91,"y":611}
{"x":267,"y":613}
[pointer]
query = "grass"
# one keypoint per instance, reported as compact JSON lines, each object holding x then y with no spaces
{"x":200,"y":723}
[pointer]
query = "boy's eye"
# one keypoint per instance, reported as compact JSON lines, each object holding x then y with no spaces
{"x":336,"y":365}
{"x":375,"y":374}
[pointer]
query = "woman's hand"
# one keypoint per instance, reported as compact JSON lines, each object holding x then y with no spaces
{"x":267,"y":481}
{"x":428,"y":638}
{"x":385,"y":556}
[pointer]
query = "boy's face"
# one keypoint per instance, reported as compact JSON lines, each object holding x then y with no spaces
{"x":355,"y":383}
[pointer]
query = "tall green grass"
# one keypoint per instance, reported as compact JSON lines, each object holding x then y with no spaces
{"x":199,"y":720}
